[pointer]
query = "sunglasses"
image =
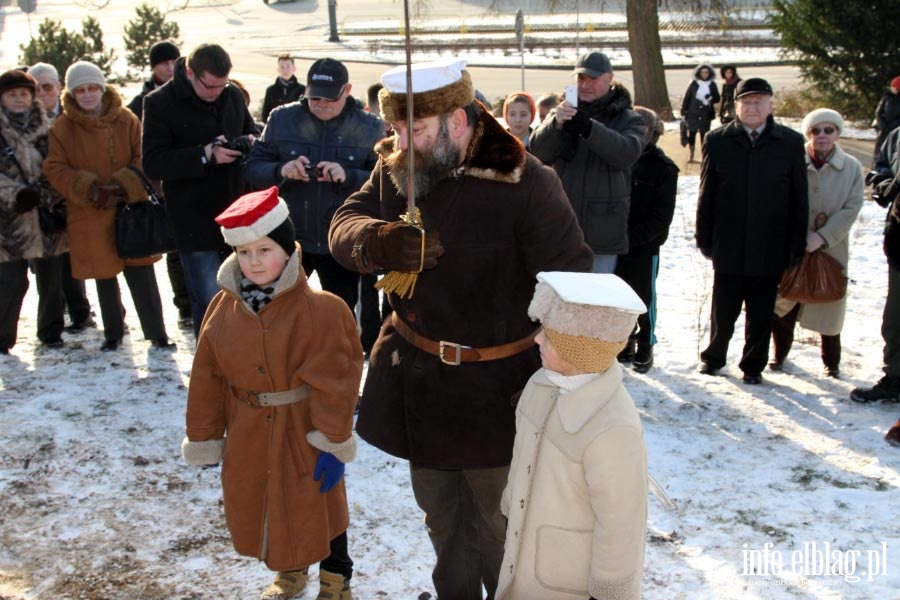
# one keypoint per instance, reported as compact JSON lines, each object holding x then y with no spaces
{"x":826,"y":130}
{"x":213,"y":87}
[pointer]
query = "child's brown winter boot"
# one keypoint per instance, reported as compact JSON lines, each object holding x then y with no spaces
{"x":333,"y":587}
{"x":287,"y":584}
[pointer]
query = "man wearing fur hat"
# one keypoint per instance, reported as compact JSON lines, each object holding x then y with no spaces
{"x":592,"y":146}
{"x":577,"y":492}
{"x":751,"y":222}
{"x":447,"y":366}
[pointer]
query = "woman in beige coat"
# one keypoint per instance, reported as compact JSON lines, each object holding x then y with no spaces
{"x":835,"y":199}
{"x":576,"y":498}
{"x":92,"y":145}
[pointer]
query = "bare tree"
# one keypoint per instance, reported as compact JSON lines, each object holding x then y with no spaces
{"x":646,"y":57}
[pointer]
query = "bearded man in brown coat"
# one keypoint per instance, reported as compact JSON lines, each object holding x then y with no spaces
{"x":447,"y":367}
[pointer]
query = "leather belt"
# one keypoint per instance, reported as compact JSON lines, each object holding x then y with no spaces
{"x":453,"y":354}
{"x":263,"y":399}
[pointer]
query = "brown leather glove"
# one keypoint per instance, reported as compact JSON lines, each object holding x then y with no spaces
{"x":27,"y":199}
{"x":397,"y":246}
{"x":106,"y":196}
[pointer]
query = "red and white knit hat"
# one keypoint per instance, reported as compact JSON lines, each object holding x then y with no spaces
{"x":252,"y":217}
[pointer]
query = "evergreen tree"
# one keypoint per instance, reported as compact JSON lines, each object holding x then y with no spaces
{"x":145,"y":30}
{"x":847,"y":49}
{"x":60,"y":47}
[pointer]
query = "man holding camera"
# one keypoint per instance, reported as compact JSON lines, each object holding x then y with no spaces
{"x":318,"y":151}
{"x":195,"y":133}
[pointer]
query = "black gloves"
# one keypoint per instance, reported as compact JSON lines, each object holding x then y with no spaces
{"x":397,"y":246}
{"x":580,"y":123}
{"x":27,"y":199}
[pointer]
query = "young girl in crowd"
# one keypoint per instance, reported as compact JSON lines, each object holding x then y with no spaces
{"x":518,"y":112}
{"x":577,"y":492}
{"x":276,"y":376}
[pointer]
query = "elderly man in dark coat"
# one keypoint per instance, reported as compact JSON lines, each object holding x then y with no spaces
{"x":447,"y":367}
{"x":751,"y":221}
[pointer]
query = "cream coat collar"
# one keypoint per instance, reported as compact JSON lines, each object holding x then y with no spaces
{"x":578,"y":406}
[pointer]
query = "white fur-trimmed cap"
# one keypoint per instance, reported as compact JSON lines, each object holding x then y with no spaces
{"x":425,"y":76}
{"x":821,"y":116}
{"x":594,"y":305}
{"x":252,"y":217}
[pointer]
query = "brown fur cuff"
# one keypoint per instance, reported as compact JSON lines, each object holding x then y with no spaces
{"x":344,"y":451}
{"x":132,"y":185}
{"x":428,"y":104}
{"x":83,"y":182}
{"x":199,"y":454}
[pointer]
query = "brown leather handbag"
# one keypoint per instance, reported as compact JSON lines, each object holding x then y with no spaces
{"x":816,"y":279}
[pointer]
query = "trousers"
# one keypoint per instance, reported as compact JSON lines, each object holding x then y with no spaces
{"x":466,"y":527}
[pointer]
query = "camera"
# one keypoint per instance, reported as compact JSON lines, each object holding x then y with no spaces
{"x":313,"y":171}
{"x":242,"y":143}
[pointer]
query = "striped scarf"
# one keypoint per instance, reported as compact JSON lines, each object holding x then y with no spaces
{"x":256,"y":296}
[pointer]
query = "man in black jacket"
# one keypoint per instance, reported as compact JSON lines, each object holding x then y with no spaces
{"x":886,"y":191}
{"x":286,"y":88}
{"x":186,"y":122}
{"x":592,"y":145}
{"x":654,"y":186}
{"x":751,"y":221}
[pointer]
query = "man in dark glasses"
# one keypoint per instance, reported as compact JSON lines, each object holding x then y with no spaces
{"x":751,"y":222}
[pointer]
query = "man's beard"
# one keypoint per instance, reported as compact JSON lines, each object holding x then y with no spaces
{"x":431,"y":166}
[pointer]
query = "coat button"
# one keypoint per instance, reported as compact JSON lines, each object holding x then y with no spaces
{"x":521,"y":503}
{"x":261,"y":370}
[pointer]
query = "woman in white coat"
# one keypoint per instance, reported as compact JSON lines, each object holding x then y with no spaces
{"x":835,"y":199}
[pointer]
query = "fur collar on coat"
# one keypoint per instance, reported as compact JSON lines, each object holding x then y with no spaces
{"x":617,"y":101}
{"x":493,"y":154}
{"x":112,"y":106}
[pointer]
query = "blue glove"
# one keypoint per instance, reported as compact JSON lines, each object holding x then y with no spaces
{"x":329,"y":469}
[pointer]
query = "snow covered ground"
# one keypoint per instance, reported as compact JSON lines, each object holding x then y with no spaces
{"x":95,"y":501}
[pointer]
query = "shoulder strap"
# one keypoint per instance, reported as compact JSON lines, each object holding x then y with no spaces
{"x":147,"y":186}
{"x":9,"y":152}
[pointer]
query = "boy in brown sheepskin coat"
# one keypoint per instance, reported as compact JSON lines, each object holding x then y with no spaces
{"x":577,"y":492}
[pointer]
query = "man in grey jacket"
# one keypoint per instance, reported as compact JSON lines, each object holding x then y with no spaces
{"x":318,"y":151}
{"x":592,"y":147}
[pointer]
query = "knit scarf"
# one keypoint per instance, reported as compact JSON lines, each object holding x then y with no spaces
{"x":256,"y":297}
{"x":19,"y":121}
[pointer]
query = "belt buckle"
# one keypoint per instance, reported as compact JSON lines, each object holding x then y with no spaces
{"x":444,"y":345}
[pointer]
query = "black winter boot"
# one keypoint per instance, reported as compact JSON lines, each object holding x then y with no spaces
{"x":643,"y":358}
{"x":886,"y":390}
{"x":627,"y":353}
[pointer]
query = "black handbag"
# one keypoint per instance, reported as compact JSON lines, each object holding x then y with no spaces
{"x":142,"y":228}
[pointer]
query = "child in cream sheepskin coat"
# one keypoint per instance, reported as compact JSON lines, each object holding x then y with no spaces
{"x":577,"y":492}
